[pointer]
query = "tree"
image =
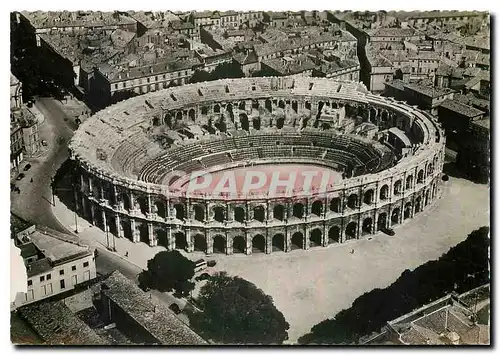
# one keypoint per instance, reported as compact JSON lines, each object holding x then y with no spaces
{"x":462,"y":268}
{"x":200,"y":76}
{"x":168,"y":270}
{"x":226,"y":71}
{"x":235,"y":311}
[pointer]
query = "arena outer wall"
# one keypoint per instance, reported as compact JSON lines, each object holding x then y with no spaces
{"x":143,"y":212}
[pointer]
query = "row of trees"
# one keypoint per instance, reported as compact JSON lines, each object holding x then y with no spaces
{"x":233,"y":310}
{"x":221,"y":71}
{"x":462,"y":268}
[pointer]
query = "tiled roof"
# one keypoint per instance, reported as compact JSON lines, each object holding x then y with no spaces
{"x":160,"y":322}
{"x":461,"y":108}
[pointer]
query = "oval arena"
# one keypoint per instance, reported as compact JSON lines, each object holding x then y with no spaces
{"x":383,"y":159}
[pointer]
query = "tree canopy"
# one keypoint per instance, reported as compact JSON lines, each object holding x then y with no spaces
{"x":221,"y":71}
{"x":167,"y":271}
{"x":235,"y":311}
{"x":462,"y":268}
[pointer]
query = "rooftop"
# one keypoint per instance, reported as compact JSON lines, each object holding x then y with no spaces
{"x":290,"y":66}
{"x":50,"y":19}
{"x":55,"y":324}
{"x":391,"y":32}
{"x":157,"y":320}
{"x":458,"y":107}
{"x":429,"y":91}
{"x":441,"y":14}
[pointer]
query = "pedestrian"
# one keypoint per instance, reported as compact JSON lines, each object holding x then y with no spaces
{"x":352,"y":251}
{"x":126,"y":254}
{"x":31,"y":180}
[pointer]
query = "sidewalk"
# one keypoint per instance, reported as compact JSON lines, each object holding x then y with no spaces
{"x":138,"y":253}
{"x":36,"y":112}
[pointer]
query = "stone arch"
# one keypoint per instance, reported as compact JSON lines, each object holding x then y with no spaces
{"x":241,"y":105}
{"x":409,"y":182}
{"x":407,"y":212}
{"x":219,"y":245}
{"x":168,"y":120}
{"x":239,"y":214}
{"x":280,"y":122}
{"x":161,"y":237}
{"x":434,"y":190}
{"x":395,"y":216}
{"x":259,"y":213}
{"x":384,"y":192}
{"x":180,"y":241}
{"x":143,"y":232}
{"x":334,"y":235}
{"x":219,"y":214}
{"x":269,"y":105}
{"x":397,"y":187}
{"x":368,"y":196}
{"x":180,"y":211}
{"x":199,"y":213}
{"x":278,"y":242}
{"x":216,"y":108}
{"x":367,"y":226}
{"x":315,"y":238}
{"x":351,"y":230}
{"x":298,"y":210}
{"x":295,"y":106}
{"x":192,"y":114}
{"x":126,"y":201}
{"x":200,"y":243}
{"x":420,"y":176}
{"x":178,"y":115}
{"x":244,"y":122}
{"x":160,"y":208}
{"x":335,"y":205}
{"x":317,"y":208}
{"x":281,"y":104}
{"x":258,"y":244}
{"x":430,"y":169}
{"x":204,"y":110}
{"x":418,"y":203}
{"x":255,"y":104}
{"x":256,"y":122}
{"x":352,"y":201}
{"x":142,"y":203}
{"x":325,"y":126}
{"x":156,"y":121}
{"x":279,"y":212}
{"x":297,"y":241}
{"x":382,"y":221}
{"x":229,"y":108}
{"x":307,"y":105}
{"x":239,"y":244}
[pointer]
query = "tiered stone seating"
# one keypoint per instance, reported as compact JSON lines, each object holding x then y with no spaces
{"x":216,"y":159}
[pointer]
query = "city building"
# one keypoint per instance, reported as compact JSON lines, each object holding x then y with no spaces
{"x":55,"y":263}
{"x":300,"y":65}
{"x":16,"y":92}
{"x":425,"y":97}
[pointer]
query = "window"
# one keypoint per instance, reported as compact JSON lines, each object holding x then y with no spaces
{"x":178,"y":74}
{"x":164,"y":76}
{"x":62,"y":284}
{"x":61,"y":272}
{"x":49,"y":276}
{"x":42,"y":278}
{"x":30,"y":282}
{"x":148,"y":80}
{"x":74,"y":280}
{"x":73,"y":268}
{"x":156,"y":78}
{"x":49,"y":289}
{"x":86,"y":264}
{"x":116,"y":86}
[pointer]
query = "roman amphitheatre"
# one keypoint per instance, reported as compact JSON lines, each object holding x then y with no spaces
{"x":384,"y":159}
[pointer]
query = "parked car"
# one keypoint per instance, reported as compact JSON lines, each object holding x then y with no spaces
{"x":27,"y":167}
{"x":20,"y":176}
{"x":388,"y":231}
{"x":211,"y":263}
{"x":44,"y":142}
{"x":175,"y":308}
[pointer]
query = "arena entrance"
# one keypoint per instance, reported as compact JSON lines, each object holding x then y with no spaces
{"x":278,"y":242}
{"x":239,"y":245}
{"x":315,"y":238}
{"x":258,"y":244}
{"x":180,"y":241}
{"x":200,"y":243}
{"x":297,"y":241}
{"x":334,"y":235}
{"x":219,"y":245}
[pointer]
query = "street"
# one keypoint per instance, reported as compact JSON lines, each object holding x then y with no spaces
{"x":34,"y":202}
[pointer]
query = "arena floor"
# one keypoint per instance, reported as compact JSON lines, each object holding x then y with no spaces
{"x":321,"y":176}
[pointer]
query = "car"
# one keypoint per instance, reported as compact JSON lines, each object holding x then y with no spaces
{"x":204,"y":276}
{"x":44,"y":142}
{"x":388,"y":231}
{"x":211,"y":263}
{"x":20,"y":176}
{"x":175,"y":308}
{"x":27,"y":167}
